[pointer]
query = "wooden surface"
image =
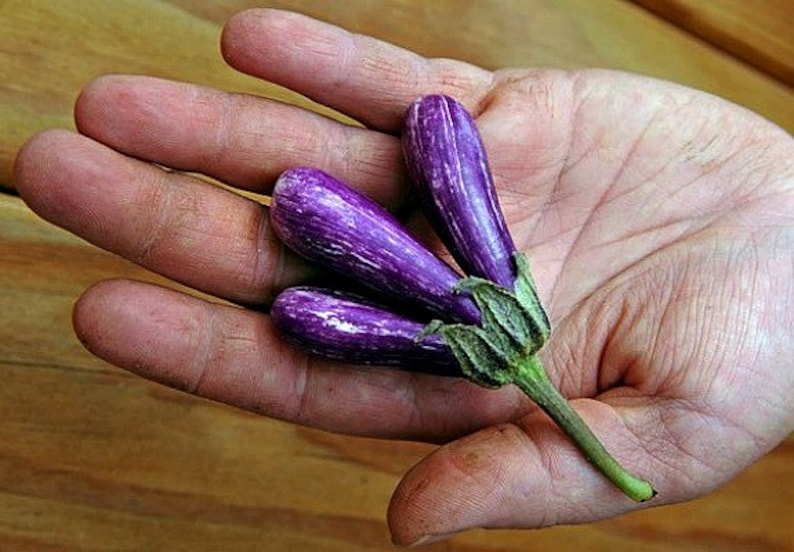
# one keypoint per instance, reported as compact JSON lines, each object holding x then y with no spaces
{"x":92,"y":458}
{"x":760,"y":33}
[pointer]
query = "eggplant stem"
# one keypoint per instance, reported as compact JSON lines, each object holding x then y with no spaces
{"x":530,"y":376}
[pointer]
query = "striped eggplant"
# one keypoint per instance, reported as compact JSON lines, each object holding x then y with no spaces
{"x":343,"y":326}
{"x":449,"y":167}
{"x":491,"y":325}
{"x":341,"y":229}
{"x":447,"y":162}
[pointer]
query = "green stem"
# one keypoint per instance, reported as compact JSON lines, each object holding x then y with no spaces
{"x":530,"y":376}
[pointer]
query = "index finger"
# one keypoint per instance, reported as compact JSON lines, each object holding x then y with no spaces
{"x":365,"y":78}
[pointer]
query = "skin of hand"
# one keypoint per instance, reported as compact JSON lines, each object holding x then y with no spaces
{"x":659,"y":221}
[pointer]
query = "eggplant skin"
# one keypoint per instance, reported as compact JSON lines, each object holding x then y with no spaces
{"x":342,"y":326}
{"x":447,"y":162}
{"x":341,"y":229}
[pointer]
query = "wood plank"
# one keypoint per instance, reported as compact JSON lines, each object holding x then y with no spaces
{"x":49,"y":50}
{"x":92,"y":458}
{"x":758,"y":33}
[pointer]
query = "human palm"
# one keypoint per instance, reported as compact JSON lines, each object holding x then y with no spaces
{"x":659,"y":221}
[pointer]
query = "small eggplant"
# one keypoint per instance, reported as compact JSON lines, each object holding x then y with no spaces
{"x":448,"y":165}
{"x":336,"y":226}
{"x":343,"y":326}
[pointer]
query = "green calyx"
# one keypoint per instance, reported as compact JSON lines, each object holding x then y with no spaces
{"x":502,"y":350}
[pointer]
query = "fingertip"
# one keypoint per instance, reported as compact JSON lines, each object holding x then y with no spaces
{"x":145,"y":328}
{"x":518,"y":475}
{"x":35,"y":165}
{"x":232,"y":29}
{"x":462,"y":485}
{"x":128,"y":112}
{"x":62,"y":177}
{"x":245,"y":36}
{"x":90,"y":308}
{"x":107,"y":309}
{"x":91,"y":103}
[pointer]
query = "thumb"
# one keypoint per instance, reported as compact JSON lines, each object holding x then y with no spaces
{"x":525,"y":474}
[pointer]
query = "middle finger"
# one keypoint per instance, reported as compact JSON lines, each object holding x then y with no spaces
{"x":242,"y":140}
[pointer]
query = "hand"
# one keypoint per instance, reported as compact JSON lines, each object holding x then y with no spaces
{"x":659,"y":221}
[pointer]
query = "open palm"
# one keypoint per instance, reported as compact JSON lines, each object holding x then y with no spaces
{"x":659,"y":221}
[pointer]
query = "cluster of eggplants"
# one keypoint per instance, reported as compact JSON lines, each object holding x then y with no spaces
{"x":486,"y":326}
{"x":341,"y":229}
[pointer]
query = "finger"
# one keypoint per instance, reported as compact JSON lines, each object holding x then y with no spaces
{"x":367,"y":79}
{"x":241,"y":140}
{"x":233,"y":355}
{"x":524,"y":475}
{"x":184,"y":229}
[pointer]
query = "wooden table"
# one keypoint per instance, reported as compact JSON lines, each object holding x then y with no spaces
{"x":92,"y":458}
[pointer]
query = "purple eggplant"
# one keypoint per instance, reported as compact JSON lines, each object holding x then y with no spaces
{"x":343,"y":326}
{"x":492,"y":323}
{"x":336,"y":226}
{"x":448,"y":165}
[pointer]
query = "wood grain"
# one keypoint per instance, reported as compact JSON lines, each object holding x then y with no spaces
{"x":758,"y":33}
{"x":92,"y":458}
